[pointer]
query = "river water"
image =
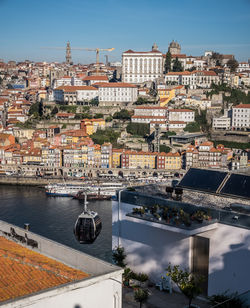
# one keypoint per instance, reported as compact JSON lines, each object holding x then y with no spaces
{"x":54,"y":217}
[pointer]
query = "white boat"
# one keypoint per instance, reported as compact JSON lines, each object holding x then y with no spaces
{"x":71,"y":190}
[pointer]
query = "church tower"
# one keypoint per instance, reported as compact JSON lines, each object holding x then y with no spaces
{"x":68,"y":54}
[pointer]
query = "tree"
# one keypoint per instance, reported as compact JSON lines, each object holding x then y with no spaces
{"x":98,"y":115}
{"x":164,"y":148}
{"x":168,"y":62}
{"x":232,"y":64}
{"x":192,"y":127}
{"x":119,"y":256}
{"x":141,"y":296}
{"x":139,"y":129}
{"x":54,"y":111}
{"x":188,"y":283}
{"x":177,"y":67}
{"x":107,"y":135}
{"x":122,"y":115}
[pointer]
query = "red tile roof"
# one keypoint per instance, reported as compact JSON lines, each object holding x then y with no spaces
{"x":23,"y":271}
{"x":242,"y":106}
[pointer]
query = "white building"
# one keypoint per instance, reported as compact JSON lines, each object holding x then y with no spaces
{"x":64,"y":81}
{"x":148,"y":119}
{"x":176,"y":125}
{"x":217,"y":250}
{"x":115,"y":93}
{"x":139,"y":67}
{"x":194,"y":79}
{"x":90,"y":80}
{"x":75,"y":94}
{"x":241,"y":117}
{"x":154,"y":111}
{"x":223,"y":122}
{"x":185,"y":115}
{"x":243,"y":66}
{"x":39,"y":273}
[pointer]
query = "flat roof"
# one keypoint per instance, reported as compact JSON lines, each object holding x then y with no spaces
{"x":187,"y":136}
{"x":24,"y":271}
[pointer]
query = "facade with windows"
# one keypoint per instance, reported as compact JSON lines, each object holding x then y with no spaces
{"x":139,"y":67}
{"x":241,"y":117}
{"x":116,"y":93}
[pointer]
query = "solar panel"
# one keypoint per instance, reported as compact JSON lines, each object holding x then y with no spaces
{"x":237,"y":185}
{"x":204,"y":180}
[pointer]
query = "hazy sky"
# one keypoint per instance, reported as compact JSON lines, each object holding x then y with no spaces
{"x":198,"y":25}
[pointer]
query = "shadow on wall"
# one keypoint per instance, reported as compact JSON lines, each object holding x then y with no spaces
{"x":150,"y":249}
{"x":235,"y":274}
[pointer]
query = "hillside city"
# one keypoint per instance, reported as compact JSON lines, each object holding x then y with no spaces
{"x":163,"y":112}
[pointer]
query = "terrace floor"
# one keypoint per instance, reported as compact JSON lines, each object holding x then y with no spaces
{"x":159,"y":299}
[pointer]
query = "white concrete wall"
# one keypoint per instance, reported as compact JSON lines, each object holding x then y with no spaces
{"x":97,"y":293}
{"x":149,"y":249}
{"x":229,"y":259}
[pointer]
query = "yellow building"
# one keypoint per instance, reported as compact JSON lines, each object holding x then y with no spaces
{"x":165,"y":95}
{"x":173,"y":161}
{"x":33,"y":156}
{"x":116,"y":158}
{"x":97,"y":155}
{"x":91,"y":125}
{"x":142,"y":160}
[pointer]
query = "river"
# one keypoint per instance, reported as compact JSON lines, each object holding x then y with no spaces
{"x":54,"y":217}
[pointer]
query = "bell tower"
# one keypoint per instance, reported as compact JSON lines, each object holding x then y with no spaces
{"x":68,"y":54}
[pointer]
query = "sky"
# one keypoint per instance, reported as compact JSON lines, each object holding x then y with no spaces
{"x":197,"y":25}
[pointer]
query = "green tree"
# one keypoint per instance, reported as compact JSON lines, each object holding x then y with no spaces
{"x":138,"y":129}
{"x":232,"y":64}
{"x":122,"y":115}
{"x":34,"y":110}
{"x":98,"y":115}
{"x":109,"y":118}
{"x":177,"y":67}
{"x":164,"y":148}
{"x":107,"y":135}
{"x":188,"y":283}
{"x":192,"y":127}
{"x":119,"y":256}
{"x":141,"y":296}
{"x":168,"y":62}
{"x":94,"y":102}
{"x":54,"y":111}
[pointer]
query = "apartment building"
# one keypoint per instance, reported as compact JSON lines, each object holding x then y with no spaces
{"x":148,"y":114}
{"x":207,"y":156}
{"x":222,"y":123}
{"x":106,"y":155}
{"x":243,"y":66}
{"x":169,"y":161}
{"x":139,"y":67}
{"x":154,"y":111}
{"x":241,"y":117}
{"x":73,"y":95}
{"x":194,"y":79}
{"x":183,"y":115}
{"x":139,"y":160}
{"x":115,"y":93}
{"x":51,"y":157}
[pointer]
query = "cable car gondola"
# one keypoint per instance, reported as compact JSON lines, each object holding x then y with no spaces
{"x":88,"y":225}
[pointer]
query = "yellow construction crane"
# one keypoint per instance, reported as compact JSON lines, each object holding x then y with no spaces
{"x":97,"y":50}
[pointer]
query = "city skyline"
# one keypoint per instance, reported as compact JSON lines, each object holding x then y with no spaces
{"x":221,"y":27}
